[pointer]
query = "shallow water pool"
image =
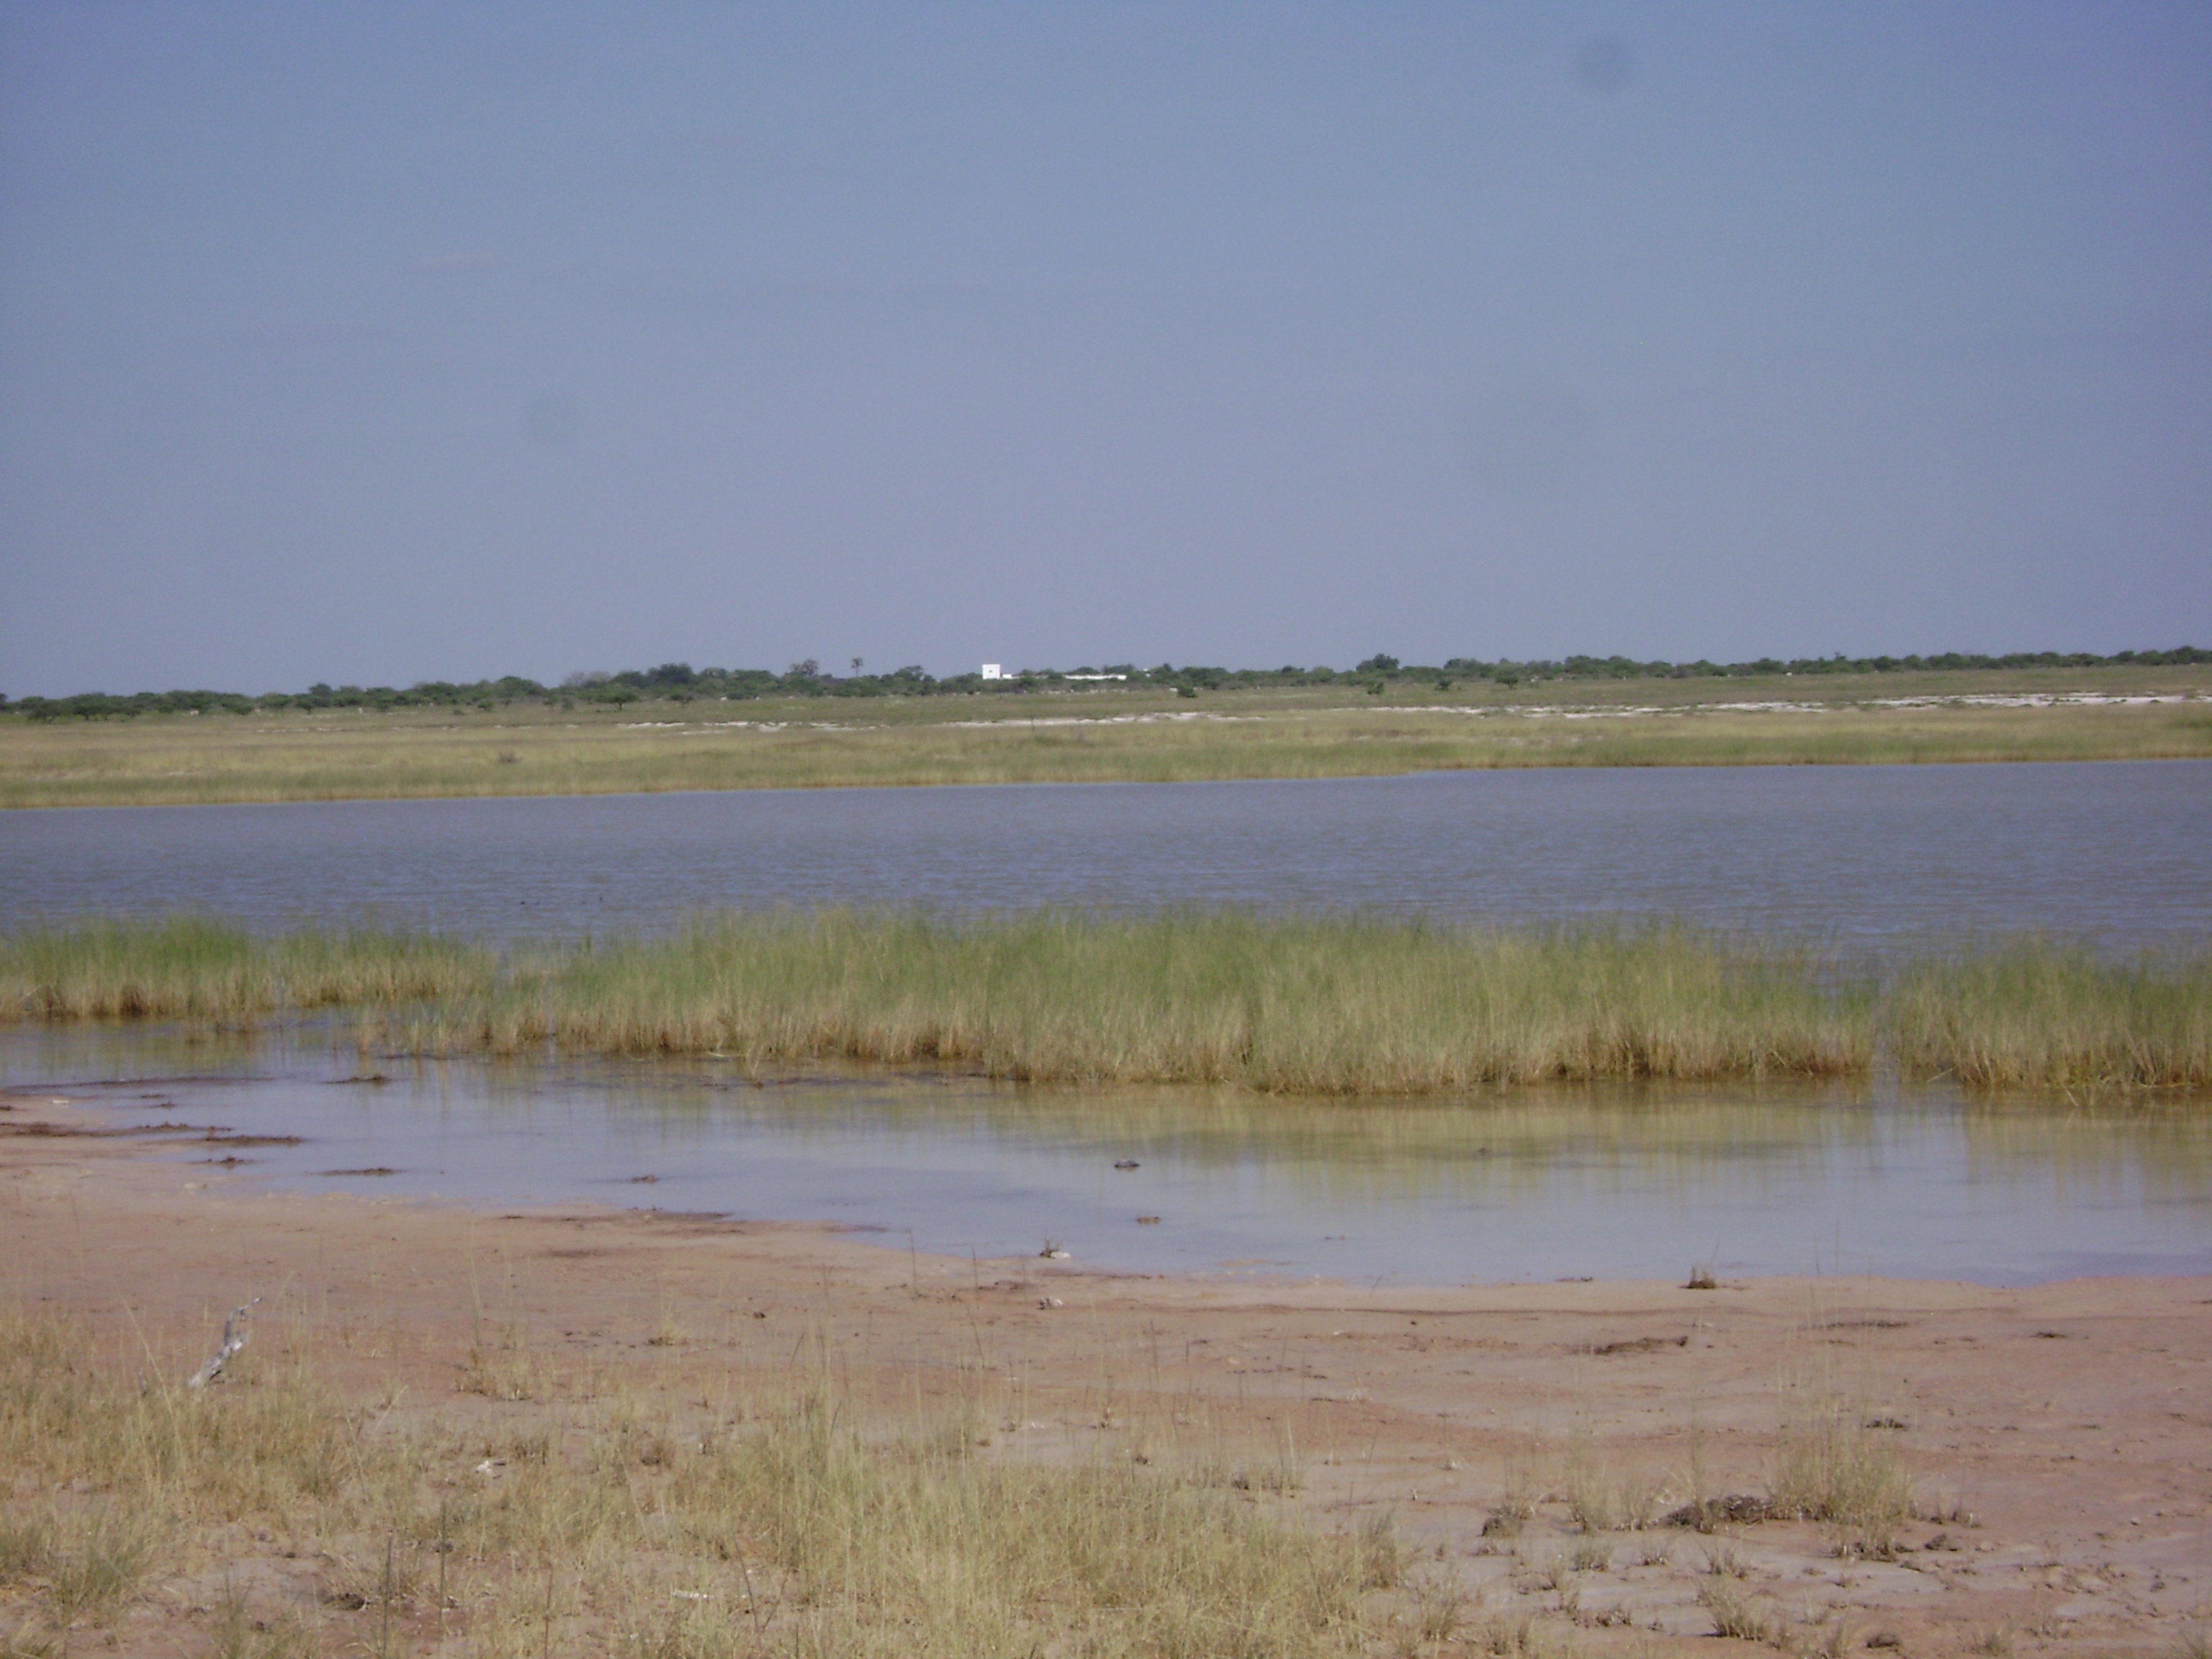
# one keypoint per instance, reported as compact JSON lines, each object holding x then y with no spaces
{"x":1621,"y":1183}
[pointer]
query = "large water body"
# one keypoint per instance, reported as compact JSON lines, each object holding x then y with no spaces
{"x":2117,"y":853}
{"x":1536,"y":1186}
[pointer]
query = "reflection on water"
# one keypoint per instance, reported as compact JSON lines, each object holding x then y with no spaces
{"x":1634,"y":1183}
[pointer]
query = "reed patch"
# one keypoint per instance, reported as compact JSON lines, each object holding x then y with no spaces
{"x":1280,"y":1004}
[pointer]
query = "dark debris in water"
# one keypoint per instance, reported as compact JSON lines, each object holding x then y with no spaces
{"x":47,"y":1131}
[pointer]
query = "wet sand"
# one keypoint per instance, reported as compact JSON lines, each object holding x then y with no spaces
{"x":2060,"y":1436}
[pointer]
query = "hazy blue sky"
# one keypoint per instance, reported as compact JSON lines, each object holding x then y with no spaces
{"x":376,"y":342}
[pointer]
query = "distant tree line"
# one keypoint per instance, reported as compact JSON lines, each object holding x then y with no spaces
{"x":680,"y":683}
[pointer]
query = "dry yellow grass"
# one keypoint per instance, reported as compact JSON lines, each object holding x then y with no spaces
{"x":633,"y":1523}
{"x":1139,"y":736}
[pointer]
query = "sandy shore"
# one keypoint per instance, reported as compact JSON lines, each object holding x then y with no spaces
{"x":2059,"y":1437}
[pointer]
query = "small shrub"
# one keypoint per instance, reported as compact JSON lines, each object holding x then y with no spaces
{"x":96,"y":1564}
{"x":1504,"y":1637}
{"x":240,"y":1635}
{"x":1723,"y":1561}
{"x":1828,"y":1467}
{"x":1591,"y":1555}
{"x":1734,"y":1614}
{"x":1838,"y":1638}
{"x":24,"y":1545}
{"x":1440,"y":1607}
{"x":1381,"y":1554}
{"x":1544,"y":1576}
{"x":1603,"y":1498}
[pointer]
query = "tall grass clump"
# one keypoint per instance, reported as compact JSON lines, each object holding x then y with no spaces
{"x":1280,"y":1004}
{"x":991,"y":1555}
{"x":191,"y":967}
{"x":1829,"y":1466}
{"x":2056,"y":1016}
{"x":1283,"y":1005}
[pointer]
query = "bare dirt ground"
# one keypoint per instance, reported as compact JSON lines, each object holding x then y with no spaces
{"x":2058,"y":1438}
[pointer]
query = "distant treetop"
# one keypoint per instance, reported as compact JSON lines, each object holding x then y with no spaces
{"x":679,"y":682}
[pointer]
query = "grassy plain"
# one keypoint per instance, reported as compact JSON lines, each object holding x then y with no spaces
{"x":1280,"y":1004}
{"x":626,"y":1521}
{"x":1141,"y":735}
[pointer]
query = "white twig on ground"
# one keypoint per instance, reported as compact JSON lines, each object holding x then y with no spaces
{"x":234,"y":1338}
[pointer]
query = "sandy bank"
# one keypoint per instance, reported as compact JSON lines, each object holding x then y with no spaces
{"x":2059,"y":1438}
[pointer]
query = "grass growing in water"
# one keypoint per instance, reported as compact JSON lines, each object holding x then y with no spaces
{"x":2056,"y":1017}
{"x":192,"y":968}
{"x":1320,"y":1006}
{"x":1289,"y":1004}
